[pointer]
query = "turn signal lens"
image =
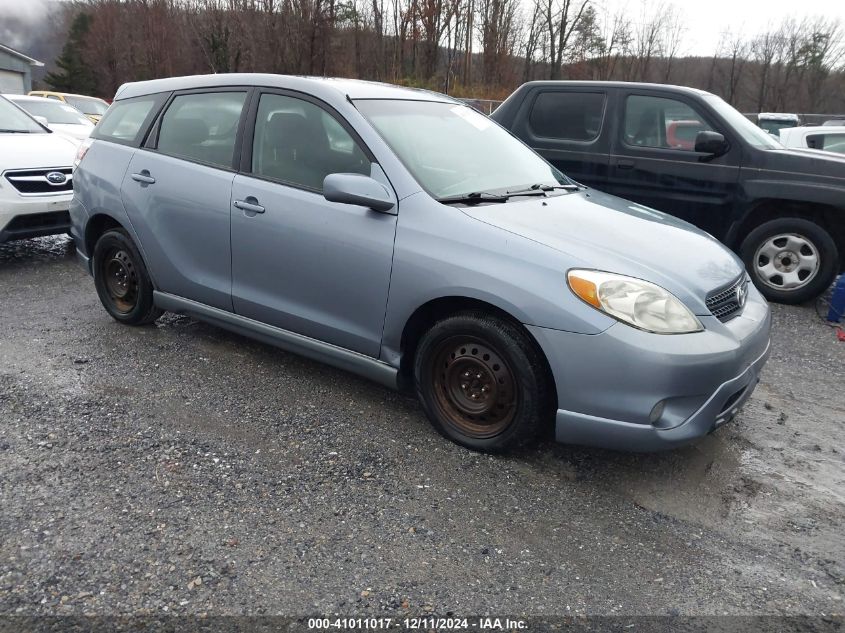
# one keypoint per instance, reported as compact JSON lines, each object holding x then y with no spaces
{"x":639,"y":303}
{"x":585,"y":289}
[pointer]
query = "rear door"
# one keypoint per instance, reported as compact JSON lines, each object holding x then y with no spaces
{"x":567,"y":126}
{"x":653,"y":159}
{"x":300,"y":262}
{"x":177,"y":192}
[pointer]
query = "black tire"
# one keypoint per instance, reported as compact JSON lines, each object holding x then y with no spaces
{"x":818,"y":242}
{"x":482,"y":382}
{"x":122,"y":281}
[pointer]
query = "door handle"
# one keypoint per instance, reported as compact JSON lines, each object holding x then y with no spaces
{"x":624,"y":163}
{"x":250,"y":205}
{"x":144,"y":177}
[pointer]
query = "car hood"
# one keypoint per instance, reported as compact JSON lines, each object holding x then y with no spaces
{"x":806,"y":161}
{"x":34,"y":151}
{"x":72,"y":131}
{"x":603,"y":232}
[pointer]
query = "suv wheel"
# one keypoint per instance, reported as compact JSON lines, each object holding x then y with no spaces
{"x":790,"y":260}
{"x":122,"y":281}
{"x":482,"y":382}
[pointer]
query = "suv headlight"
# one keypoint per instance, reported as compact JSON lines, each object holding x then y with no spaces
{"x":636,"y":302}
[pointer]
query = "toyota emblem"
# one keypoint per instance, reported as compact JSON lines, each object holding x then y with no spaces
{"x":741,"y":294}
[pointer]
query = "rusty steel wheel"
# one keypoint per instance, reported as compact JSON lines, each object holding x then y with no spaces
{"x":121,"y":280}
{"x":474,"y":387}
{"x":483,"y":382}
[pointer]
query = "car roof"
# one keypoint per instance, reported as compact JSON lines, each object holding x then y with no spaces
{"x":16,"y":97}
{"x":38,"y":93}
{"x":778,"y":116}
{"x":816,"y":129}
{"x":319,"y":86}
{"x":615,"y":84}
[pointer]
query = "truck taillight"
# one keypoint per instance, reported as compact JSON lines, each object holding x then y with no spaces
{"x":80,"y":153}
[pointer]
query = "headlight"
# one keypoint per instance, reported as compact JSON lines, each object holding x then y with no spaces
{"x":636,"y":302}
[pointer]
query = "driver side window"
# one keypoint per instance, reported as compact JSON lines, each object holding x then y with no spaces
{"x":661,"y":123}
{"x":299,"y":143}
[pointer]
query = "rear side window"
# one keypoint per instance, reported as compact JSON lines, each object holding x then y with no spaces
{"x":127,"y":120}
{"x":573,"y":116}
{"x":202,"y":127}
{"x":661,"y":122}
{"x":829,"y":142}
{"x":300,"y":143}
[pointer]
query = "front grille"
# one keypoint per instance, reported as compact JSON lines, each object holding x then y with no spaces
{"x":38,"y":221}
{"x":35,"y":182}
{"x":726,"y":303}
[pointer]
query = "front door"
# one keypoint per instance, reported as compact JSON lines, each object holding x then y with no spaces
{"x":299,"y":262}
{"x":654,"y":162}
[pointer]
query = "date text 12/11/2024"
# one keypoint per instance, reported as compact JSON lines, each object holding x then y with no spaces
{"x":419,"y":623}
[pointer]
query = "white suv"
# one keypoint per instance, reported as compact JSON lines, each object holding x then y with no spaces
{"x":36,"y":183}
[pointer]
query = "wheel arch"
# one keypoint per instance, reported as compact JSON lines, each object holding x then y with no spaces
{"x":101,"y":222}
{"x":828,"y":217}
{"x":98,"y":224}
{"x":439,"y":308}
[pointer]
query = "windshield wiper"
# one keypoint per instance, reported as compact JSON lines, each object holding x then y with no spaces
{"x":14,"y":131}
{"x":539,"y":188}
{"x":475,"y":197}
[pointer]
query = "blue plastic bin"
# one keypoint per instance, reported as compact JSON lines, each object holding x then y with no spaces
{"x":837,"y":301}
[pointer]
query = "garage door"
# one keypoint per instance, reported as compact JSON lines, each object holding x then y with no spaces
{"x":11,"y":82}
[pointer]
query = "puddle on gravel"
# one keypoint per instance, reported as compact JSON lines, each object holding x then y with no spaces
{"x":41,"y":249}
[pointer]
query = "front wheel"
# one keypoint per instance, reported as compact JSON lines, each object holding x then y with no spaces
{"x":790,"y":260}
{"x":483,"y":382}
{"x":122,"y":281}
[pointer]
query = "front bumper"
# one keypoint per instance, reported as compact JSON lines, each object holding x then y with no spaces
{"x":609,"y":384}
{"x":22,"y":218}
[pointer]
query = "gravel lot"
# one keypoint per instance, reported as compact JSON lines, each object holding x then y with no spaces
{"x":178,"y":468}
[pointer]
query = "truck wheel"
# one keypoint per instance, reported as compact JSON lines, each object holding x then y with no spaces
{"x":122,"y":281}
{"x":482,"y":382}
{"x":790,"y":260}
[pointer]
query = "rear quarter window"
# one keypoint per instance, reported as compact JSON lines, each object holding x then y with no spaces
{"x":572,"y":116}
{"x":127,"y":120}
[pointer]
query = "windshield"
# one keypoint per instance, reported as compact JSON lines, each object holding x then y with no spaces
{"x":53,"y":111}
{"x":88,"y":105}
{"x":452,"y":150}
{"x":752,"y":134}
{"x":774,"y":127}
{"x":14,"y":120}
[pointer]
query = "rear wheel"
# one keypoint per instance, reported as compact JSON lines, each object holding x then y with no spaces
{"x":122,"y":281}
{"x":482,"y":382}
{"x":790,"y":260}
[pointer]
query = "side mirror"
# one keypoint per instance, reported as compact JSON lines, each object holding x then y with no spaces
{"x":711,"y":143}
{"x":358,"y":189}
{"x":42,"y":120}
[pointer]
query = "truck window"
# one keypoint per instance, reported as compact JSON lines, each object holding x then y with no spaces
{"x":829,"y":142}
{"x":661,"y":122}
{"x":572,"y":116}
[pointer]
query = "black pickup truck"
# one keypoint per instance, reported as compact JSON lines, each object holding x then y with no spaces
{"x":688,"y":153}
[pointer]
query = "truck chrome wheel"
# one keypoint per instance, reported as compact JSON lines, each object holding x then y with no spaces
{"x":787,"y":261}
{"x":475,"y":389}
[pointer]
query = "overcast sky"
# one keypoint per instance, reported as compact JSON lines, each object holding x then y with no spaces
{"x":706,"y":20}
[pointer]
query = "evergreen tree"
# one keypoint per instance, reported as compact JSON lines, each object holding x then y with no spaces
{"x":74,"y":75}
